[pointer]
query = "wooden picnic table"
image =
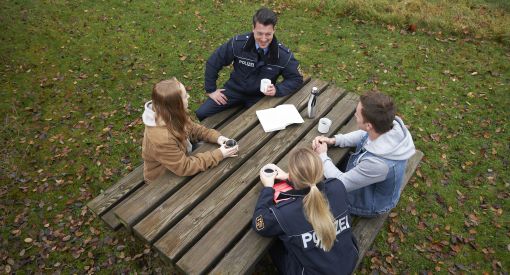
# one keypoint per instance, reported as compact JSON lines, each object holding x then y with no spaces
{"x":202,"y":223}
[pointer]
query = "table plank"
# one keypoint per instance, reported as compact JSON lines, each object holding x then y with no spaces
{"x":222,"y":118}
{"x":202,"y":217}
{"x":129,"y":212}
{"x":248,"y":251}
{"x":181,"y":201}
{"x":230,"y":227}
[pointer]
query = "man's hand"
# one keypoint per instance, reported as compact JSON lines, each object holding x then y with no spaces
{"x":218,"y":97}
{"x":270,"y":90}
{"x":320,"y":147}
{"x":320,"y":144}
{"x":322,"y":139}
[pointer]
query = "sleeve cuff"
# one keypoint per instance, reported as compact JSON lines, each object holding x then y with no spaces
{"x":218,"y":139}
{"x":217,"y":154}
{"x":324,"y":157}
{"x":337,"y":140}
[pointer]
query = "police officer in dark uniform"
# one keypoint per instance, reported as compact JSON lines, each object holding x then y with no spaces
{"x":301,"y":218}
{"x":255,"y":56}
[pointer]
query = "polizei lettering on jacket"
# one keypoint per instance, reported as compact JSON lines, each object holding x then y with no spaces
{"x":246,"y":63}
{"x":340,"y":225}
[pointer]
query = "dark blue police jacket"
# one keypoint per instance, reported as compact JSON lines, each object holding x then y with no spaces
{"x":249,"y":68}
{"x":287,"y":220}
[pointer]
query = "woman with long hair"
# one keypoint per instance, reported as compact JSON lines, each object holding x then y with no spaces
{"x":169,"y":132}
{"x":311,"y":221}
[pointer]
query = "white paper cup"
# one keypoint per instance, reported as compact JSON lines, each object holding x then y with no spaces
{"x":264,"y":83}
{"x":324,"y":124}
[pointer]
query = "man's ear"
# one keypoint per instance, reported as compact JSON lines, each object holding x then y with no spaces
{"x":369,"y":126}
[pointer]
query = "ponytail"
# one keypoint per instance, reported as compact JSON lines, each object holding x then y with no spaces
{"x":305,"y":169}
{"x":317,"y":213}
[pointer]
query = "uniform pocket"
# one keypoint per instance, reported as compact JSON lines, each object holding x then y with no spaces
{"x":270,"y":72}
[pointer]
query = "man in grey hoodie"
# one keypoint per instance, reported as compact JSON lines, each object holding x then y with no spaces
{"x":375,"y":171}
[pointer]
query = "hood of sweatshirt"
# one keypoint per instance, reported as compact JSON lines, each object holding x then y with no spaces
{"x":149,"y":116}
{"x":396,"y":144}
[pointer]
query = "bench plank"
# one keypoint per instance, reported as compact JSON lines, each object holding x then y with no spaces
{"x":108,"y":198}
{"x":202,"y":217}
{"x":129,"y":212}
{"x":223,"y":234}
{"x":172,"y":209}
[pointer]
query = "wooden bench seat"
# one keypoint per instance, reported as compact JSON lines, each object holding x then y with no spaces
{"x":201,"y":224}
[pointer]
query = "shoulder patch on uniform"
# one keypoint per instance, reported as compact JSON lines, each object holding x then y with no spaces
{"x":281,"y":46}
{"x":259,"y":223}
{"x":242,"y":37}
{"x":299,"y":70}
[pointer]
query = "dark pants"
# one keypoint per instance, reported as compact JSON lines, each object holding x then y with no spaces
{"x":209,"y":107}
{"x":283,"y":260}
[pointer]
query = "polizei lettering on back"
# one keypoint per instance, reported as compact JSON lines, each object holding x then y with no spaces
{"x":340,"y":225}
{"x":246,"y":63}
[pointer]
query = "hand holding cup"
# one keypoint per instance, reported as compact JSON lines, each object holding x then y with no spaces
{"x":264,"y":84}
{"x":268,"y":174}
{"x":229,"y":151}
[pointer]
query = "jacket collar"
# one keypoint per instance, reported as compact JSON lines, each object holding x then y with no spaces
{"x":272,"y":55}
{"x":302,"y":192}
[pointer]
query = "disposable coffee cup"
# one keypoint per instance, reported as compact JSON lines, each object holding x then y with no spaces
{"x":264,"y":83}
{"x":269,"y":172}
{"x":324,"y":124}
{"x":230,"y":143}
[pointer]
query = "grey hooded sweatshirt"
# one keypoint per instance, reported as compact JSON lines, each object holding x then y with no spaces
{"x":396,"y":144}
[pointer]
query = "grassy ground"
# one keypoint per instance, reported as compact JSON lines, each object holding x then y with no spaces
{"x":75,"y":76}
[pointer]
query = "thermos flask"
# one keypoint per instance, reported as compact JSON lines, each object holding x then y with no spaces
{"x":312,"y":102}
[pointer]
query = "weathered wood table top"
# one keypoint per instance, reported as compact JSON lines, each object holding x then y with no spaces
{"x":202,"y":223}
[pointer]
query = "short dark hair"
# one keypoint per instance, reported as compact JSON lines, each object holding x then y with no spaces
{"x":265,"y":17}
{"x":379,"y":110}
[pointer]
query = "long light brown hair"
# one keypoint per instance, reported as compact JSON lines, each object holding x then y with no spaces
{"x":306,"y":170}
{"x":169,"y":107}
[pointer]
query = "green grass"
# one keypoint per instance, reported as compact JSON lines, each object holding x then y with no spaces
{"x":75,"y":76}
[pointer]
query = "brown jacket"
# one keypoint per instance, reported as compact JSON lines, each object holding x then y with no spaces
{"x":161,"y":151}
